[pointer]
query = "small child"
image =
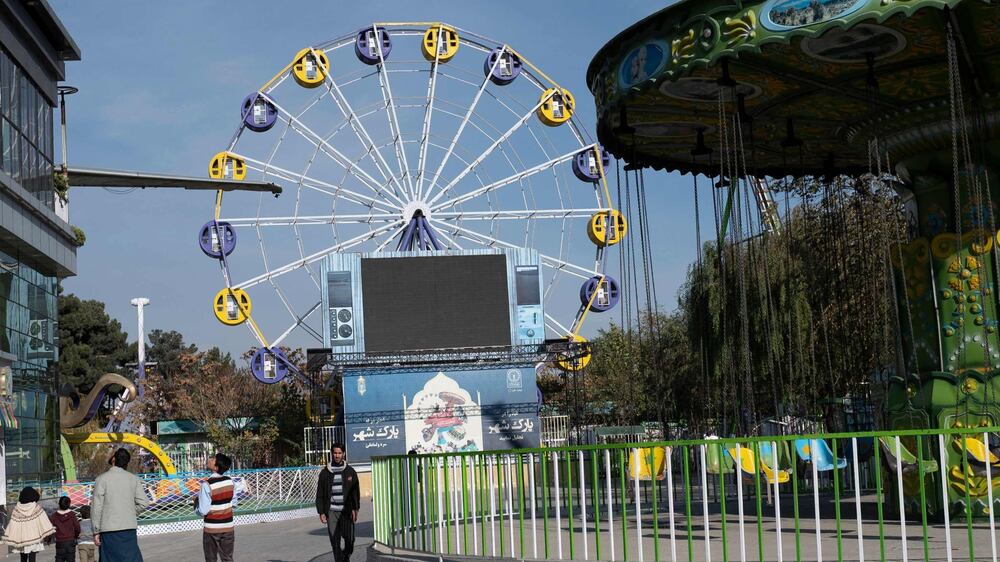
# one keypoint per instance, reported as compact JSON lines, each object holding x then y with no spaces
{"x":87,"y":548}
{"x":67,"y":531}
{"x":28,"y":526}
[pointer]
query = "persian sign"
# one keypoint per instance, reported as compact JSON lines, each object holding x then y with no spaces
{"x":445,"y":411}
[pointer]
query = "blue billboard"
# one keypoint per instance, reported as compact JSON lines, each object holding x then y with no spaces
{"x":440,"y":411}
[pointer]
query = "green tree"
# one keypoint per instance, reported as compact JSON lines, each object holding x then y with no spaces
{"x":788,"y":323}
{"x":167,"y":348}
{"x":91,"y":342}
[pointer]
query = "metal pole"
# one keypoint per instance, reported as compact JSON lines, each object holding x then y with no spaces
{"x":140,"y":303}
{"x":64,"y":91}
{"x":62,"y":126}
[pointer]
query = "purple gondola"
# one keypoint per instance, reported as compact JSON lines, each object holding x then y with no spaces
{"x":269,"y":365}
{"x":217,"y":241}
{"x":506,"y":70}
{"x":585,"y":164}
{"x":259,"y":114}
{"x":366,"y":46}
{"x":607,"y":296}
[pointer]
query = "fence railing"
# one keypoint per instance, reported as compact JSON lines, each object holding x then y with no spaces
{"x":318,"y":440}
{"x":191,"y":458}
{"x":914,"y":494}
{"x":171,"y":498}
{"x":555,"y":431}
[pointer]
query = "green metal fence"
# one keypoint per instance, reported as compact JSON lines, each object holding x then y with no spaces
{"x":900,"y":495}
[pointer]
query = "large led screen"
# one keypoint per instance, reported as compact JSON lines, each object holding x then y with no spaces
{"x":435,"y":302}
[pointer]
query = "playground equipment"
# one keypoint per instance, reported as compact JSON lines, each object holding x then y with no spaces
{"x":749,"y":464}
{"x":715,"y":461}
{"x":977,"y":453}
{"x":469,"y":144}
{"x":75,"y":411}
{"x":818,"y":452}
{"x":652,"y":464}
{"x":866,"y":93}
{"x":124,"y":439}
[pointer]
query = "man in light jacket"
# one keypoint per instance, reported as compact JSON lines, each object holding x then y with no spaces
{"x":119,"y":497}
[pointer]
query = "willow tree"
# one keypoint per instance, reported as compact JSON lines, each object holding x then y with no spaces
{"x":788,"y":322}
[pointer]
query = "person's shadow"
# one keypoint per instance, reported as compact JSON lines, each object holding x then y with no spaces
{"x":362,"y":531}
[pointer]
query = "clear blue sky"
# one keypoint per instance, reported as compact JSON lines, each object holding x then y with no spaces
{"x":160,"y":84}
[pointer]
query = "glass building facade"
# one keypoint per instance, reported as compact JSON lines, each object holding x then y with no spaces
{"x":29,"y":333}
{"x":37,"y":245}
{"x":26,"y":131}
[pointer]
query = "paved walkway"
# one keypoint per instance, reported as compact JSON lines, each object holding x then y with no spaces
{"x":299,"y":540}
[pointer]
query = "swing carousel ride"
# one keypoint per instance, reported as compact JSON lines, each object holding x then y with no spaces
{"x":832,"y":105}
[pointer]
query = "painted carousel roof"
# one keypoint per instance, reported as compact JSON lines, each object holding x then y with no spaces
{"x":828,"y":73}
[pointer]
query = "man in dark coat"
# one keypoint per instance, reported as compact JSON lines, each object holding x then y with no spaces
{"x":338,"y":498}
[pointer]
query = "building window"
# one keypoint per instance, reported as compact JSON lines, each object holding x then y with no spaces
{"x":27,"y":132}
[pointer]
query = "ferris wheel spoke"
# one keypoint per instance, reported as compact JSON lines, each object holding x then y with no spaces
{"x":386,"y":87}
{"x":299,"y":321}
{"x":452,"y":244}
{"x":362,"y":133}
{"x":486,"y":153}
{"x":338,"y":157}
{"x":310,"y":220}
{"x":505,"y":181}
{"x":555,"y":325}
{"x":307,"y":181}
{"x":465,"y":121}
{"x":292,"y":266}
{"x":491,"y":241}
{"x":387,"y":241}
{"x":428,"y":114}
{"x":521,"y":214}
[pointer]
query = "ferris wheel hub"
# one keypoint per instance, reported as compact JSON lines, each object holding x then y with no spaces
{"x":412,"y":208}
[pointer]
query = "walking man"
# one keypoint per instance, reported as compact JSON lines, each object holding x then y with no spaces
{"x":338,"y":499}
{"x":118,"y":498}
{"x":216,"y":500}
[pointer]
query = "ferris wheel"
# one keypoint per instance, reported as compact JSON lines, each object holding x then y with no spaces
{"x":407,"y":137}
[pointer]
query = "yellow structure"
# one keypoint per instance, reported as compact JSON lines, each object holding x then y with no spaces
{"x":227,"y":166}
{"x":315,"y":405}
{"x":125,"y":439}
{"x":652,"y":464}
{"x":556,"y":107}
{"x":310,"y":67}
{"x":232,"y":306}
{"x":749,"y":466}
{"x":440,"y":43}
{"x":603,"y":234}
{"x":573,"y":365}
{"x":976,"y":451}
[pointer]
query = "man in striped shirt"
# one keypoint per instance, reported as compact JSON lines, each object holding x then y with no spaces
{"x":338,"y":498}
{"x":216,"y":500}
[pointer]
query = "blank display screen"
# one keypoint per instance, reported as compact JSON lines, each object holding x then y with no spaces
{"x":435,"y":302}
{"x":339,"y":288}
{"x":527,"y":285}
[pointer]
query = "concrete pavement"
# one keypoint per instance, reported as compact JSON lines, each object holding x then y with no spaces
{"x":298,"y":540}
